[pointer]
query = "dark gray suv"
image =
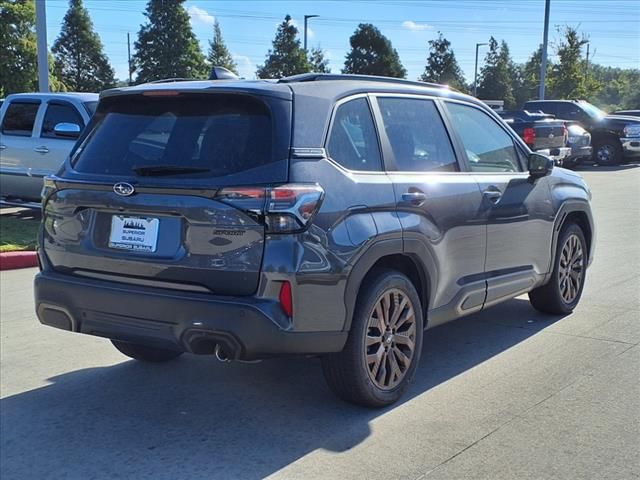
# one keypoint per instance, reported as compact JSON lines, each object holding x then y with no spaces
{"x":328,"y":215}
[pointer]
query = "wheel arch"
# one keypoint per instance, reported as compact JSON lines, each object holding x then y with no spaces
{"x":387,"y":255}
{"x":578,"y":212}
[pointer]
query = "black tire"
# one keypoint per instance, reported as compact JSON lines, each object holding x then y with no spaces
{"x":145,"y":353}
{"x":607,"y":151}
{"x":348,"y":373}
{"x":552,"y":297}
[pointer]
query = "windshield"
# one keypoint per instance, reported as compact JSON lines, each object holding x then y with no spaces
{"x":186,"y":136}
{"x":592,"y":110}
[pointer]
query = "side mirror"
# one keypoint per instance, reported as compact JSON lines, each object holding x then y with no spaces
{"x":539,"y":165}
{"x":69,"y":130}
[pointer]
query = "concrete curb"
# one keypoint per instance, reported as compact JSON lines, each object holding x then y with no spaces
{"x":13,"y":260}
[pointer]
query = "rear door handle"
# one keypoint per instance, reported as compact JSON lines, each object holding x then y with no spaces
{"x":417,"y":198}
{"x":42,"y":149}
{"x":492,"y":194}
{"x":2,"y":146}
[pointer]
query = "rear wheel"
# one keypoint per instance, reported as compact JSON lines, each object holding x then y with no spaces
{"x":384,"y":345}
{"x":607,"y":151}
{"x":144,"y":352}
{"x":562,"y":294}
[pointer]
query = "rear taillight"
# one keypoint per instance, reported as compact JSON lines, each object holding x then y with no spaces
{"x":286,"y":208}
{"x":529,"y":136}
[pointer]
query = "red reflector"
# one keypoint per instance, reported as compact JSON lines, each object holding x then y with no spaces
{"x":285,"y":298}
{"x":283,"y":194}
{"x":242,"y":192}
{"x":160,"y":93}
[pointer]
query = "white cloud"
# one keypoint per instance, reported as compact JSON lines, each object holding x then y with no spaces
{"x":200,"y":16}
{"x":416,"y":27}
{"x":246,"y":68}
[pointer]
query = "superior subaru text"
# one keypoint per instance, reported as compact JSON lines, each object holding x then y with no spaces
{"x":339,"y":216}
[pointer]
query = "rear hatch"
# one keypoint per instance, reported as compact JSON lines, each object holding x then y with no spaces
{"x":139,"y":201}
{"x":549,"y":134}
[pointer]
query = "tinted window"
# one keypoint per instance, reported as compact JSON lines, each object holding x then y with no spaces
{"x":489,"y":148}
{"x":417,"y":135}
{"x":353,"y":142}
{"x":19,"y":118}
{"x":196,"y":136}
{"x":59,"y":113}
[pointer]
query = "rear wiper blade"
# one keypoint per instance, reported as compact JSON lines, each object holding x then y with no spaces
{"x":160,"y":170}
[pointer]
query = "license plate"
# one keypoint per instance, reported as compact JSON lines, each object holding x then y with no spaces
{"x":134,"y":233}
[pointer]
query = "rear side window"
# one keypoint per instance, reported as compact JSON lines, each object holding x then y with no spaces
{"x":417,"y":135}
{"x":59,"y":113}
{"x":186,"y":136}
{"x":489,"y":147}
{"x":353,"y":141}
{"x":19,"y":118}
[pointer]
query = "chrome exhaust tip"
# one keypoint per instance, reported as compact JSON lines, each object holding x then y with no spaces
{"x":220,"y":354}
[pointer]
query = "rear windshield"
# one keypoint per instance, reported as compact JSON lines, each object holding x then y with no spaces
{"x":185,"y":136}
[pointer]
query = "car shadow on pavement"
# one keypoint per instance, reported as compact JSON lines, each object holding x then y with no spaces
{"x":606,"y":168}
{"x":197,"y":418}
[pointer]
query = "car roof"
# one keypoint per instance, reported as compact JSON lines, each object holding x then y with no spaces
{"x":82,"y":96}
{"x":314,"y":95}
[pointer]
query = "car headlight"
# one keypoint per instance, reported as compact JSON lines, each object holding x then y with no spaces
{"x":632,"y":131}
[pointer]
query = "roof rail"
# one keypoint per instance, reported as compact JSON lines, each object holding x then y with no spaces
{"x":313,"y":77}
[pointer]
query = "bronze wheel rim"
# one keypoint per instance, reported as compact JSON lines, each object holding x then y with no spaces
{"x":571,"y":269}
{"x":390,"y":339}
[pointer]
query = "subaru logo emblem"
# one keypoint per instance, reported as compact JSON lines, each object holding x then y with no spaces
{"x":124,"y":189}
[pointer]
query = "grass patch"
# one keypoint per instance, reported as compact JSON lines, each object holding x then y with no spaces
{"x":18,"y":232}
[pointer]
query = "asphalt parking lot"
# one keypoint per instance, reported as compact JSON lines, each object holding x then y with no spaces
{"x":505,"y":394}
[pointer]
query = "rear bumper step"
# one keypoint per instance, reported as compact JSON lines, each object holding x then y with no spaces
{"x":244,"y":327}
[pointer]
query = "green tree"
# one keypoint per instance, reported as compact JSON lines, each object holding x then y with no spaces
{"x":166,"y":45}
{"x":621,"y":87}
{"x":497,"y":75}
{"x":529,"y":85}
{"x":18,"y":65}
{"x":568,"y":79}
{"x":287,"y":57}
{"x":372,"y":54}
{"x":319,"y":63}
{"x":442,"y":66}
{"x":219,"y":55}
{"x":79,"y":58}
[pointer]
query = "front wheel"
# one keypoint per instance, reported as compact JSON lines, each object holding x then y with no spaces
{"x":607,"y":151}
{"x":384,"y":344}
{"x":562,"y":294}
{"x":144,"y":352}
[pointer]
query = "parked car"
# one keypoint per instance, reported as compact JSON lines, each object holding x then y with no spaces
{"x":37,"y":132}
{"x":330,"y":215}
{"x":614,"y":138}
{"x":541,"y":132}
{"x":580,"y":142}
{"x":627,"y":113}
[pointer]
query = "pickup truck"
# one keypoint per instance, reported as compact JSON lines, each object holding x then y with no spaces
{"x":615,"y":138}
{"x":542,"y":133}
{"x":37,"y":132}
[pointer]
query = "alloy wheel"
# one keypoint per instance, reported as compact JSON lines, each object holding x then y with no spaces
{"x":390,"y":340}
{"x":605,"y":153}
{"x":571,"y":269}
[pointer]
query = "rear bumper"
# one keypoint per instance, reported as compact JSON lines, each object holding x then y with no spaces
{"x":245,"y":327}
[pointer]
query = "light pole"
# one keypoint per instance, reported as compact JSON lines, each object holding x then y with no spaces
{"x":41,"y":43}
{"x":545,"y":41}
{"x":475,"y":72}
{"x":307,"y":17}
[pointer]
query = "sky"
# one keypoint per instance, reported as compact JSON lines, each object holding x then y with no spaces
{"x":249,"y":26}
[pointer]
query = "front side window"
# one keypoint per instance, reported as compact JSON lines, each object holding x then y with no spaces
{"x":353,"y":141}
{"x":488,"y":146}
{"x":19,"y":118}
{"x":417,"y":135}
{"x":59,"y":113}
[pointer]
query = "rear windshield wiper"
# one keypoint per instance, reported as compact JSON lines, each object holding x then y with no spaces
{"x":160,"y":170}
